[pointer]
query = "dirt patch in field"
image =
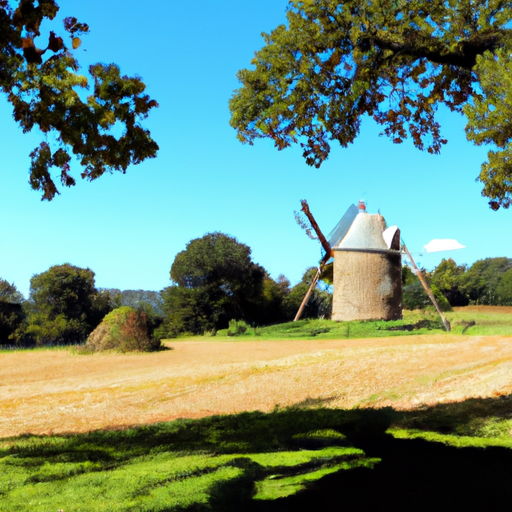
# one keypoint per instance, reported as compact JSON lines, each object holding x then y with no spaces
{"x":56,"y":391}
{"x":486,"y":309}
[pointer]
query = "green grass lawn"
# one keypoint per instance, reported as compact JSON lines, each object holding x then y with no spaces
{"x":413,"y":322}
{"x":227,"y":463}
{"x":182,"y":465}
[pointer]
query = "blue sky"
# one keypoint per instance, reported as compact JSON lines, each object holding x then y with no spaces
{"x":128,"y":228}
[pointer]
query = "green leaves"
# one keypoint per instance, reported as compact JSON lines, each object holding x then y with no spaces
{"x":216,"y":281}
{"x":394,"y":60}
{"x":47,"y":92}
{"x":489,"y":118}
{"x":63,"y":306}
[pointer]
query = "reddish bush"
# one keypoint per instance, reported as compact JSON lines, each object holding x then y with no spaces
{"x":125,"y":330}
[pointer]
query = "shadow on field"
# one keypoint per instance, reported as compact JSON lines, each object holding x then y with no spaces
{"x":412,"y":475}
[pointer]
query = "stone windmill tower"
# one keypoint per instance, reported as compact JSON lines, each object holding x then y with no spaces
{"x":367,"y":274}
{"x":368,"y":271}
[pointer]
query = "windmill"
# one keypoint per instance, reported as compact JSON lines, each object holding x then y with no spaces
{"x":367,"y":265}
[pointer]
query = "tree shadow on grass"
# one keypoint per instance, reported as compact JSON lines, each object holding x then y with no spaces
{"x":415,"y":474}
{"x":412,"y":475}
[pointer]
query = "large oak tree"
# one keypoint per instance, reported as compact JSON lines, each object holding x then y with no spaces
{"x":396,"y":61}
{"x":214,"y":281}
{"x":47,"y":91}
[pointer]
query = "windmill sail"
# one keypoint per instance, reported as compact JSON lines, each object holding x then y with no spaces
{"x":340,"y":230}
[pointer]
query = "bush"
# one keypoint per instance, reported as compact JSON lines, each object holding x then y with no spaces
{"x":57,"y":331}
{"x":126,"y":330}
{"x":237,"y":327}
{"x":166,"y":330}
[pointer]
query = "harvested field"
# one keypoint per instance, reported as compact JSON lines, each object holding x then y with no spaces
{"x":55,"y":391}
{"x":485,"y":309}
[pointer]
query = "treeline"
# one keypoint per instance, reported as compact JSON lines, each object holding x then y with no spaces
{"x":487,"y":282}
{"x":214,"y":280}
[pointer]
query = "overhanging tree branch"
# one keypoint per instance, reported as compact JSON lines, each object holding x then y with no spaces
{"x":44,"y":86}
{"x":396,"y":61}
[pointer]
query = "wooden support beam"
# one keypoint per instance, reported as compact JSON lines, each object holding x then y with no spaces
{"x":425,"y":285}
{"x":325,"y":259}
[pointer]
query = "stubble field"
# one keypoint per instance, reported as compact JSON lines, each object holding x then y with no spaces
{"x":56,"y":391}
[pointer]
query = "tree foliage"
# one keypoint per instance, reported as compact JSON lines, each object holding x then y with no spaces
{"x":12,"y":316}
{"x":214,"y":281}
{"x":319,"y":304}
{"x":480,"y":282}
{"x":47,"y":91}
{"x":485,"y":282}
{"x":147,"y":300}
{"x":396,"y":61}
{"x":504,"y":289}
{"x":415,"y":297}
{"x":64,"y":305}
{"x":9,"y":293}
{"x":447,"y":277}
{"x":275,"y":306}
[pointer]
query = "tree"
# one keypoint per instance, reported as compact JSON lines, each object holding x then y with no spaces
{"x":189,"y":310}
{"x":415,"y":296}
{"x":447,"y":277}
{"x":149,"y":301}
{"x":408,"y":277}
{"x":214,"y":281}
{"x":396,"y":61}
{"x":64,"y":305}
{"x":274,"y":308}
{"x":9,"y":293}
{"x":46,"y":90}
{"x":146,"y":301}
{"x":12,"y":315}
{"x":320,"y":301}
{"x":481,"y":280}
{"x":504,"y":289}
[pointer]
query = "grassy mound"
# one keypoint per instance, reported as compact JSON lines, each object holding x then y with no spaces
{"x":126,"y":330}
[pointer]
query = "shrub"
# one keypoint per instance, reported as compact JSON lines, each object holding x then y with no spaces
{"x":237,"y":327}
{"x":57,"y":331}
{"x":125,"y":329}
{"x":167,"y":329}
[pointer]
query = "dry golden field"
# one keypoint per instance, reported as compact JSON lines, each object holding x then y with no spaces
{"x":57,"y":391}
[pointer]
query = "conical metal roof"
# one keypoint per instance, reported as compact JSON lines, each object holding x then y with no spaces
{"x":365,"y":233}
